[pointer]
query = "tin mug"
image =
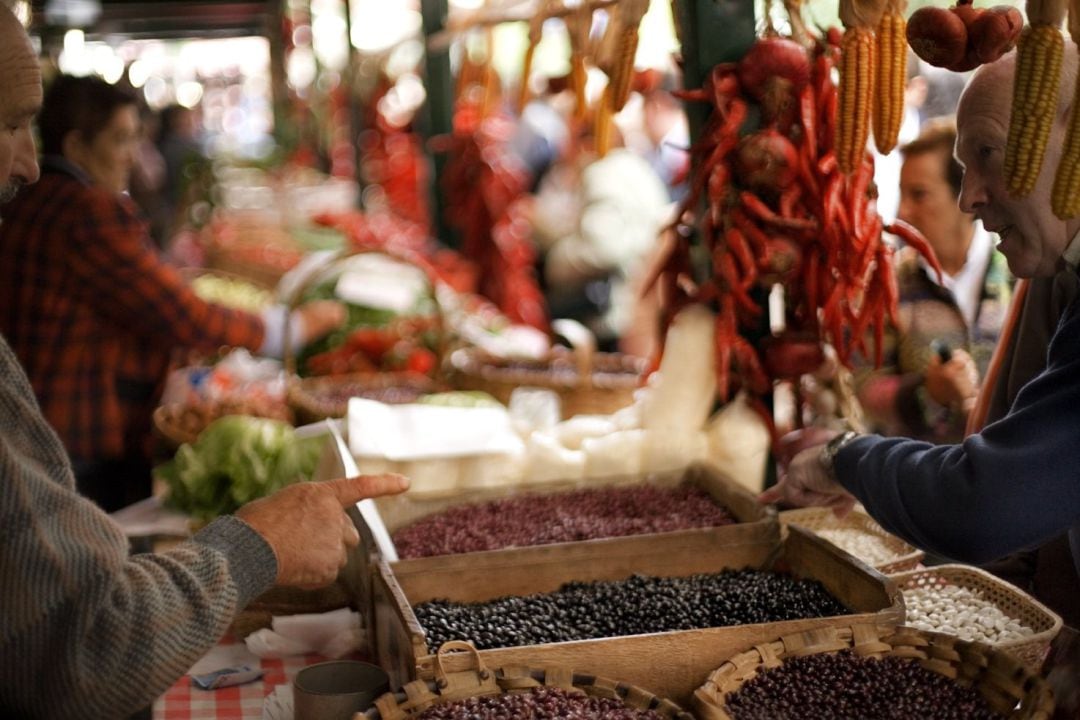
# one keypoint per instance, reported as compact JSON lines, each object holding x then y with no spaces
{"x":337,"y":689}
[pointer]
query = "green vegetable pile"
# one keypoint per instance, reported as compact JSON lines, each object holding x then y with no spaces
{"x":235,"y":460}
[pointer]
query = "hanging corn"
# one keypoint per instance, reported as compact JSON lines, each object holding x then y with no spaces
{"x":1035,"y":92}
{"x":630,"y":13}
{"x":1066,"y":196}
{"x":536,"y":31}
{"x":856,"y":79}
{"x":891,"y":77}
{"x":578,"y":26}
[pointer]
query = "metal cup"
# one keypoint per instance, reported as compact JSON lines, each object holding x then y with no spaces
{"x":337,"y":689}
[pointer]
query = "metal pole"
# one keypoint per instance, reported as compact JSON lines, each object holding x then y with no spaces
{"x":439,"y":109}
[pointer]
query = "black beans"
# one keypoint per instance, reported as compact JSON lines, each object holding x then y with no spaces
{"x":637,"y":605}
{"x":843,"y":686}
{"x":538,"y":704}
{"x":527,"y":520}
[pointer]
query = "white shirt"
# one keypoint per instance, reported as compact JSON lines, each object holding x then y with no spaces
{"x":966,"y":286}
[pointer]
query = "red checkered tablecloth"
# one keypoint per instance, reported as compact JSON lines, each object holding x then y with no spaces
{"x":183,"y":701}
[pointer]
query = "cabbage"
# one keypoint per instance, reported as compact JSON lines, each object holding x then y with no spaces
{"x":235,"y":460}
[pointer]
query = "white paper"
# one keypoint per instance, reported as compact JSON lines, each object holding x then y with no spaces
{"x":379,"y":282}
{"x":418,"y":432}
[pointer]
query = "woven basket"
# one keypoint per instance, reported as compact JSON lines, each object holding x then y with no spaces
{"x":327,"y":271}
{"x":420,"y":695}
{"x":1011,"y":689}
{"x":586,"y":383}
{"x":1012,"y":601}
{"x":306,"y":394}
{"x":178,"y":424}
{"x":813,"y":519}
{"x":308,"y":397}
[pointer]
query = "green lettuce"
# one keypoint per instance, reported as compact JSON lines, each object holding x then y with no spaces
{"x":235,"y":460}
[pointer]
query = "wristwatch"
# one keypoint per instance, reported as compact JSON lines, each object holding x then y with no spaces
{"x":828,"y":452}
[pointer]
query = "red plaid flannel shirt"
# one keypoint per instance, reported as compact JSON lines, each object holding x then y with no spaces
{"x":92,"y":310}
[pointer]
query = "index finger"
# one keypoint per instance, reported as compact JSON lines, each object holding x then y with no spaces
{"x":350,"y":491}
{"x":771,"y":495}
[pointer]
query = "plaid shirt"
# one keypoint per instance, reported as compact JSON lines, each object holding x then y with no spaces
{"x":93,"y":312}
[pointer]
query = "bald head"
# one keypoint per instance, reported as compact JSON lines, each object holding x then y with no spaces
{"x":20,"y":99}
{"x":1032,"y":237}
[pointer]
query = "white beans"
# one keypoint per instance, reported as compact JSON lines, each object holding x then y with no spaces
{"x":871,"y":549}
{"x":958,"y":611}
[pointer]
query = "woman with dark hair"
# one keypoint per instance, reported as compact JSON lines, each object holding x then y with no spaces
{"x":89,"y":306}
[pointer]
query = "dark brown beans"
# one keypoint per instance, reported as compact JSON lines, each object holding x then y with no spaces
{"x":533,"y":519}
{"x":843,"y":686}
{"x":538,"y":704}
{"x":637,"y":605}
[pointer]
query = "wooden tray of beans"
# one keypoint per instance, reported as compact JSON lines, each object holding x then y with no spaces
{"x":586,"y":382}
{"x":659,"y":616}
{"x":518,"y":692}
{"x":974,"y":605}
{"x":318,"y":398}
{"x":858,"y":534}
{"x":873,"y":672}
{"x":700,"y":501}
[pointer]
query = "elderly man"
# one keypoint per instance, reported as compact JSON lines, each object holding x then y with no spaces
{"x":87,"y":631}
{"x":1017,"y":482}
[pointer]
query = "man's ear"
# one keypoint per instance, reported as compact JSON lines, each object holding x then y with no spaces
{"x":73,"y":147}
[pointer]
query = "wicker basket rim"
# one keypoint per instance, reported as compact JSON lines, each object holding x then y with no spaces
{"x":633,"y":695}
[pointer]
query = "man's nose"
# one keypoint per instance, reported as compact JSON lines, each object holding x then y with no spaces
{"x":25,"y":165}
{"x":972,"y":193}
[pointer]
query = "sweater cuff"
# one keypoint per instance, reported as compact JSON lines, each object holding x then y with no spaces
{"x":846,"y":464}
{"x":252,"y":563}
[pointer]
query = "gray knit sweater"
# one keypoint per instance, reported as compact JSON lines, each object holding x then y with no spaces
{"x":87,"y":631}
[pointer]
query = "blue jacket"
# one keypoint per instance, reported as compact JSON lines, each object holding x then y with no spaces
{"x":1010,"y":487}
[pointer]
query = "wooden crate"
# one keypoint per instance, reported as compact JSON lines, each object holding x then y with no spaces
{"x":757,"y":525}
{"x":670,"y":664}
{"x":752,"y":519}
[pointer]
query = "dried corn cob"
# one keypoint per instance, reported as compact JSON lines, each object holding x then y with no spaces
{"x":891,"y":79}
{"x":578,"y":24}
{"x":856,"y":96}
{"x":623,"y":69}
{"x":602,"y":126}
{"x":526,"y":71}
{"x":1035,"y":92}
{"x":630,"y":13}
{"x":1066,"y":195}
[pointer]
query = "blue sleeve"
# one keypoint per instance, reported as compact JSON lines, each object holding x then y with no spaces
{"x":1012,"y":486}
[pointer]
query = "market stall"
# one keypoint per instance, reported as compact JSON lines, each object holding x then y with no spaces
{"x":582,"y":527}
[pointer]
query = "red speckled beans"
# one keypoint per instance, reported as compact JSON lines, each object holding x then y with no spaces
{"x":843,"y":685}
{"x":538,"y":704}
{"x":561,"y":517}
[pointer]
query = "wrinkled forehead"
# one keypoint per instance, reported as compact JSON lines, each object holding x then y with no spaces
{"x":20,"y":74}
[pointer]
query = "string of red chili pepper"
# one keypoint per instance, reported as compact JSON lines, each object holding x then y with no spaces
{"x":779,"y":210}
